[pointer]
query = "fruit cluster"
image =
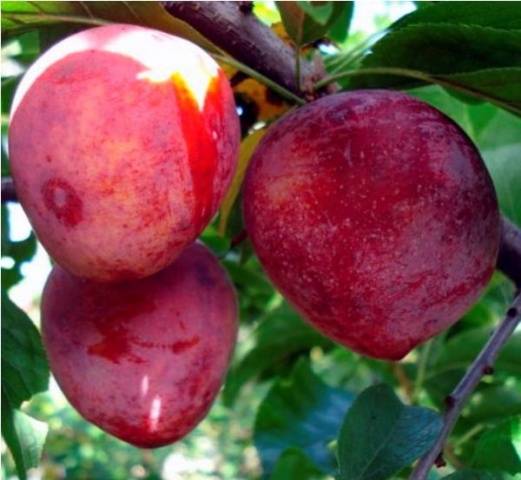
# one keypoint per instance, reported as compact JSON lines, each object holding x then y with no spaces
{"x":370,"y":211}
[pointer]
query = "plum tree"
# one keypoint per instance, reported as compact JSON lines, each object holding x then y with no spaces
{"x":123,"y":141}
{"x":374,"y":214}
{"x":142,"y":359}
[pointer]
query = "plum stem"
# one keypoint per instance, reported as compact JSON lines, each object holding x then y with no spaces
{"x":467,"y":384}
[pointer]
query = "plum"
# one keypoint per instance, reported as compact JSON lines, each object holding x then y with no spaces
{"x":123,"y":141}
{"x":142,"y":359}
{"x":374,"y":215}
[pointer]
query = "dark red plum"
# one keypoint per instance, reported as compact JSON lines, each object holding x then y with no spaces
{"x":143,"y":360}
{"x":374,"y":215}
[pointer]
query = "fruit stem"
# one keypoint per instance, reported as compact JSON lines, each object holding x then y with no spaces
{"x":456,"y":400}
{"x":422,"y":368}
{"x":283,"y":92}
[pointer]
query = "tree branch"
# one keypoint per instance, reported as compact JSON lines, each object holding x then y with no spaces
{"x":509,"y":258}
{"x":482,"y":365}
{"x":238,"y":32}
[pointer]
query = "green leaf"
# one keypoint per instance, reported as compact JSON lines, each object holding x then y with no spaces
{"x":487,"y":14}
{"x":24,"y":365}
{"x":469,"y":474}
{"x":320,"y":12}
{"x":19,"y":251}
{"x":460,"y":350}
{"x":341,"y":21}
{"x":500,"y":83}
{"x":380,"y":435}
{"x":280,"y":336}
{"x":18,"y":17}
{"x":451,"y":56}
{"x":500,"y":447}
{"x":494,"y":402}
{"x":308,"y":21}
{"x":25,"y":437}
{"x":293,"y":463}
{"x":300,"y":412}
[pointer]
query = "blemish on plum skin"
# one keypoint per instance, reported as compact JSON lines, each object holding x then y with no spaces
{"x":183,"y":345}
{"x":60,"y":198}
{"x":117,"y":343}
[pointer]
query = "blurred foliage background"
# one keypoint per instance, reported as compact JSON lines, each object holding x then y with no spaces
{"x":285,"y":397}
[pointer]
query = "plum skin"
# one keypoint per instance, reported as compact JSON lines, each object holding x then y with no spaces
{"x":123,"y":141}
{"x":143,"y":359}
{"x":374,"y":215}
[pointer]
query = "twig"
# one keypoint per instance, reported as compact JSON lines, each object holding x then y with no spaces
{"x":509,"y":258}
{"x":456,"y":400}
{"x":8,"y":191}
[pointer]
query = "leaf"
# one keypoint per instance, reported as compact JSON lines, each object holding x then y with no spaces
{"x":500,"y":447}
{"x":18,"y":17}
{"x":451,"y":56}
{"x":306,"y":22}
{"x":293,"y":463}
{"x":245,"y":152}
{"x":281,"y":334}
{"x":460,"y":351}
{"x":469,"y":474}
{"x":301,"y":412}
{"x":380,"y":435}
{"x":320,"y":12}
{"x":339,"y":28}
{"x":494,"y":402}
{"x":25,"y":371}
{"x":24,"y":435}
{"x":487,"y":14}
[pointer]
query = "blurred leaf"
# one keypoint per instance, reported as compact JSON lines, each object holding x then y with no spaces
{"x":266,"y":12}
{"x":306,"y":22}
{"x":18,"y":17}
{"x":294,"y":464}
{"x":214,"y":241}
{"x":339,"y":28}
{"x":487,"y":14}
{"x":469,"y":474}
{"x":245,"y":152}
{"x":301,"y":412}
{"x":20,"y":252}
{"x":24,"y":365}
{"x":460,"y":350}
{"x":281,"y":334}
{"x":24,"y":435}
{"x":493,"y":402}
{"x":452,"y":54}
{"x":320,"y":12}
{"x":500,"y":447}
{"x":380,"y":435}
